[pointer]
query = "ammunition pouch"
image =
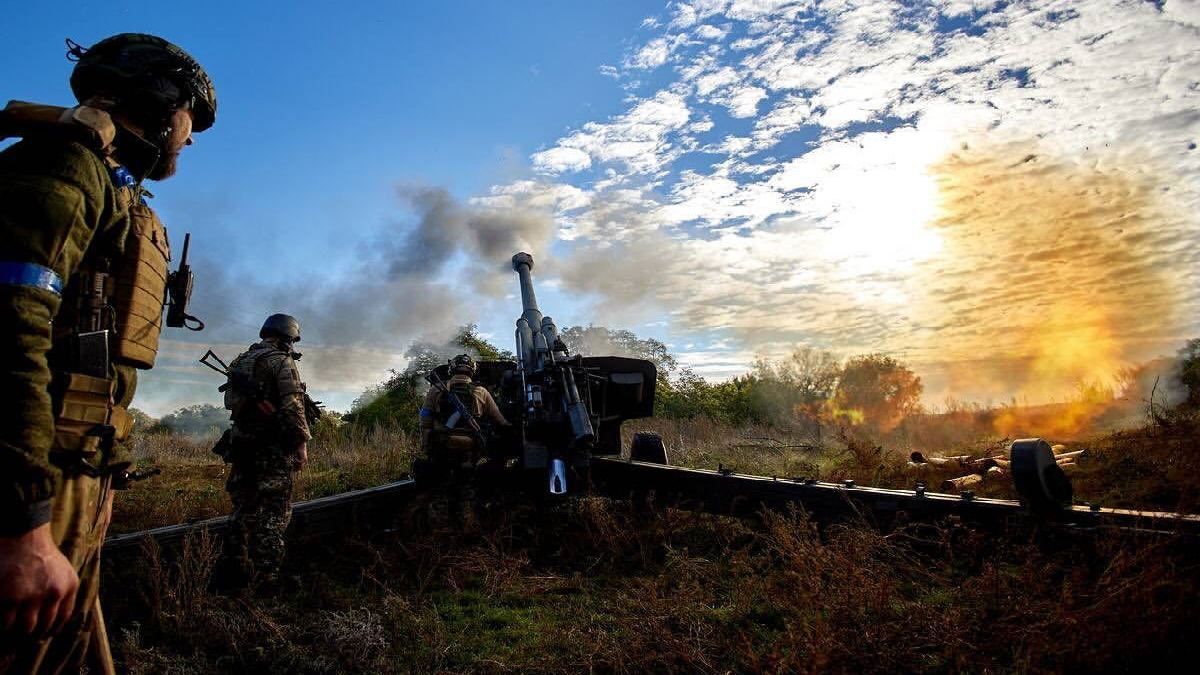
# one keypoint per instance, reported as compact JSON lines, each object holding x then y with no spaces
{"x":453,"y":446}
{"x":141,"y":283}
{"x":87,"y":423}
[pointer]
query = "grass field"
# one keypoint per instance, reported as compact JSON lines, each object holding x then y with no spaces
{"x":595,"y":587}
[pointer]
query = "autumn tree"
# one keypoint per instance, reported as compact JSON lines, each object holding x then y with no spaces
{"x":877,"y":390}
{"x":593,"y":340}
{"x":1189,"y":370}
{"x":798,"y":385}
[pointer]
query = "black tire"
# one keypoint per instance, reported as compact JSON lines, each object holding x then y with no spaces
{"x":648,"y":447}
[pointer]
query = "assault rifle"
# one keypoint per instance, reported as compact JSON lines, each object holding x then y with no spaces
{"x":461,"y":413}
{"x":254,"y":391}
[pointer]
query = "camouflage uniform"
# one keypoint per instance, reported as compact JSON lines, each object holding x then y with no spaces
{"x":453,"y":453}
{"x":262,"y":474}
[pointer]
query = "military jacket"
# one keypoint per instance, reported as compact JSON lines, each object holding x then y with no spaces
{"x":60,"y":209}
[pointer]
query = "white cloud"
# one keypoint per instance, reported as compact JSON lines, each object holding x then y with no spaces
{"x":719,"y":79}
{"x":560,"y":159}
{"x":857,"y":238}
{"x":639,"y":140}
{"x":710,"y":32}
{"x":742,"y":101}
{"x":652,"y":55}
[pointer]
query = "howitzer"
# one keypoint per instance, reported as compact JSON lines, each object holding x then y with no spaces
{"x":564,"y":408}
{"x":571,"y":407}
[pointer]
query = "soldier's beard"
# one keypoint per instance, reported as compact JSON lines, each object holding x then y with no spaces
{"x":165,"y":167}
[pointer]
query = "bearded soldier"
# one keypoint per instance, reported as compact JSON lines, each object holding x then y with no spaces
{"x":83,"y":269}
{"x":268,"y":444}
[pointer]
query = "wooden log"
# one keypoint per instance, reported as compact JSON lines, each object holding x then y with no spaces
{"x":946,"y":461}
{"x":955,"y":485}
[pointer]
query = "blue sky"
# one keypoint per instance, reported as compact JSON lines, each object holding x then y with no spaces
{"x":323,"y":110}
{"x":1002,"y":194}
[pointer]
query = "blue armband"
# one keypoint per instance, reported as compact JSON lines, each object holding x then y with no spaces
{"x":426,"y":412}
{"x":32,"y":275}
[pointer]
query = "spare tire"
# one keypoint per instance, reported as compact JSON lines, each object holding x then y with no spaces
{"x":648,"y":447}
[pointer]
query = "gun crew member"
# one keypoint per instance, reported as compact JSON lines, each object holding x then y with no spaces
{"x":83,"y":269}
{"x":440,"y":418}
{"x":269,"y":438}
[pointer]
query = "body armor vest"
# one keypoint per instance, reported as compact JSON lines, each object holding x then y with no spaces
{"x":119,"y":286}
{"x":244,"y":388}
{"x":465,"y":391}
{"x":140,"y":276}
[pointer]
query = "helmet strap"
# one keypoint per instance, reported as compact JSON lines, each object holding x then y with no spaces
{"x":135,"y":152}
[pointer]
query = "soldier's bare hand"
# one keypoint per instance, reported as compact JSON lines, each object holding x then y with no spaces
{"x":300,"y":459}
{"x":37,"y":585}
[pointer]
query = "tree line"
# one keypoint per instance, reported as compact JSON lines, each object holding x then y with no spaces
{"x":809,"y":386}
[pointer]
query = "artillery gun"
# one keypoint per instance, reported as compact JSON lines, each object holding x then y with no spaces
{"x":567,"y":409}
{"x":564,"y":408}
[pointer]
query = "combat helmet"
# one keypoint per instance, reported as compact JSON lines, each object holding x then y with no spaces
{"x":463,"y":363}
{"x":280,"y":326}
{"x":144,"y":73}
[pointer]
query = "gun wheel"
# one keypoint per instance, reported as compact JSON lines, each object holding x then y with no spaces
{"x":648,"y":447}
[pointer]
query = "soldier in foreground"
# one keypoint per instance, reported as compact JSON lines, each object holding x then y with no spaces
{"x":83,"y":269}
{"x":267,"y":445}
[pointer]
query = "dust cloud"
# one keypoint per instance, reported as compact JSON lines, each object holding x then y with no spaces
{"x":1053,"y":274}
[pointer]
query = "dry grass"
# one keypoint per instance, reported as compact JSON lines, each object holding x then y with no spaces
{"x":594,"y":587}
{"x":192,"y":483}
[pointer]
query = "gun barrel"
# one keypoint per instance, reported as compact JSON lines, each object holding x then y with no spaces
{"x":523,"y":265}
{"x":530,"y":323}
{"x":187,"y":242}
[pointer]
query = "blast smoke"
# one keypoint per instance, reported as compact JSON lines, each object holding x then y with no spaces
{"x":418,"y":279}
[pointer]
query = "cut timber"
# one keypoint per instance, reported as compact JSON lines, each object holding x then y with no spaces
{"x":961,"y":483}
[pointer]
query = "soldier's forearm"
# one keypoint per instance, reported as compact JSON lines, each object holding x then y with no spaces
{"x":26,"y":419}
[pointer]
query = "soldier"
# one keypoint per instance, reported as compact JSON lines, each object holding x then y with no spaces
{"x":438,"y":411}
{"x":269,"y":438}
{"x":451,"y":444}
{"x":83,"y":266}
